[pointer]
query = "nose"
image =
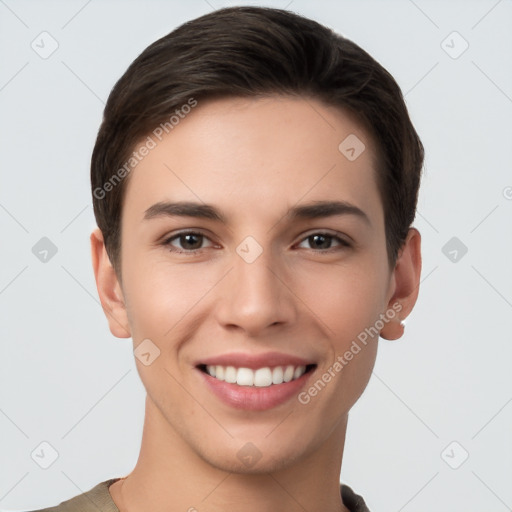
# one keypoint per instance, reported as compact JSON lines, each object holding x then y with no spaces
{"x":255,"y":296}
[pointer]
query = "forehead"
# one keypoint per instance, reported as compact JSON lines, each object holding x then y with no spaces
{"x":257,"y":156}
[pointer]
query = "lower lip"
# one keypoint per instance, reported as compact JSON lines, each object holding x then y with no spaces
{"x":255,"y":398}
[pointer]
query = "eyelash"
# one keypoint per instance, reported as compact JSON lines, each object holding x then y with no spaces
{"x":167,"y":242}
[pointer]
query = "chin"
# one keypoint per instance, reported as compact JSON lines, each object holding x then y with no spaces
{"x":254,"y":458}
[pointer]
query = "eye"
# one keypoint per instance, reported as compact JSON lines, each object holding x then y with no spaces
{"x":190,"y":242}
{"x":323,"y":241}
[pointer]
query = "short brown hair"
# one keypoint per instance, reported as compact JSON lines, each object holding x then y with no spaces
{"x":256,"y":51}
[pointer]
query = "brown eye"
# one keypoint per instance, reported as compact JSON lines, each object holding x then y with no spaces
{"x":324,"y":241}
{"x":188,"y":241}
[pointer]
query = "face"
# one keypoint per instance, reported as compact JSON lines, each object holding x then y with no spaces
{"x":276,"y":258}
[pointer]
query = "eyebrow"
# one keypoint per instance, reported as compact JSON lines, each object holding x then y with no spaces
{"x":313,"y":210}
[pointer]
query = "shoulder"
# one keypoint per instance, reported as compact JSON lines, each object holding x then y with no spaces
{"x":353,"y":501}
{"x":97,"y":499}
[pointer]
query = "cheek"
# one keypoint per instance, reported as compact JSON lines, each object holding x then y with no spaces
{"x":349,"y":301}
{"x":347,"y":298}
{"x":160,"y":294}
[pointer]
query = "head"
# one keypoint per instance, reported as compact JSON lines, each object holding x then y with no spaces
{"x":297,"y":149}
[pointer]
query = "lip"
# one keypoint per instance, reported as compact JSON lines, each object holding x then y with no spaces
{"x":253,"y":398}
{"x":255,"y":361}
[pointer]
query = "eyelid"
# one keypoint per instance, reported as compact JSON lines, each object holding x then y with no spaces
{"x":327,"y":231}
{"x":344,"y":240}
{"x":339,"y":237}
{"x":166,"y":241}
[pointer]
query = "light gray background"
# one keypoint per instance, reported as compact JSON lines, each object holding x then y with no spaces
{"x":66,"y":380}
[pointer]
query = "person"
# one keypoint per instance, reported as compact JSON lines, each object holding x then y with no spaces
{"x":254,"y":182}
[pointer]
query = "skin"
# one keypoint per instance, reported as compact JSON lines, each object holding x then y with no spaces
{"x":253,"y":159}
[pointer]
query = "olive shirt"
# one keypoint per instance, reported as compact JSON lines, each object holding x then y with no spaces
{"x":98,"y":499}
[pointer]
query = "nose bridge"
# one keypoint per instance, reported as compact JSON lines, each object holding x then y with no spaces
{"x":257,"y":277}
{"x":254,"y":280}
{"x":254,"y":297}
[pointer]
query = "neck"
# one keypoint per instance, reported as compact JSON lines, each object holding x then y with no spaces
{"x":171,"y":476}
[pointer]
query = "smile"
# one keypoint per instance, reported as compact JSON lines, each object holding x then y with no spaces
{"x":256,"y":389}
{"x":260,"y":377}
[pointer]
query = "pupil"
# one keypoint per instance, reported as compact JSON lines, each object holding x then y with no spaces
{"x":189,"y":240}
{"x":323,"y":241}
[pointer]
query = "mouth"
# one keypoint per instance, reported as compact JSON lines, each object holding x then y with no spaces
{"x":262,"y":377}
{"x":259,"y":388}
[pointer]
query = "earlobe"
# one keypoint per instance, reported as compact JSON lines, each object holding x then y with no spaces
{"x":406,"y":276}
{"x":109,"y":288}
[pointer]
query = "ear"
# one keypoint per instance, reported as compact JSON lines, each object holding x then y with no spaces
{"x":405,"y":283}
{"x":109,"y":288}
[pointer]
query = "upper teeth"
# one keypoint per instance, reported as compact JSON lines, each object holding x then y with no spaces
{"x":261,"y":377}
